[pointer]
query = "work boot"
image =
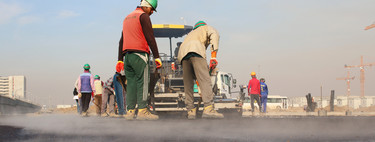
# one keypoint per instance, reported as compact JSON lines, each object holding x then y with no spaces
{"x":112,"y":114}
{"x":209,"y":112}
{"x":84,"y":114}
{"x":104,"y":114}
{"x":130,"y":114}
{"x":192,"y":114}
{"x":144,"y":114}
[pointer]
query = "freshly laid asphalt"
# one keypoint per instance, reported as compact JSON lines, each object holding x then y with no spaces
{"x":175,"y":127}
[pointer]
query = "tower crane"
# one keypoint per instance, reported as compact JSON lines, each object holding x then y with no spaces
{"x":362,"y":75}
{"x":370,"y":26}
{"x":347,"y":79}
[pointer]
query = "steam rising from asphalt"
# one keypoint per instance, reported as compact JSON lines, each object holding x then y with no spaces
{"x":71,"y":127}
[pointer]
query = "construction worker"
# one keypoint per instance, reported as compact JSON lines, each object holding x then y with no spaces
{"x":85,"y":89}
{"x":98,"y":94}
{"x":254,"y":91}
{"x":137,"y":39}
{"x":264,"y":94}
{"x":119,"y":86}
{"x":75,"y":97}
{"x":108,"y":97}
{"x":192,"y":56}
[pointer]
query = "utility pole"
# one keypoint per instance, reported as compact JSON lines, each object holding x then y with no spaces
{"x":362,"y":75}
{"x":321,"y":96}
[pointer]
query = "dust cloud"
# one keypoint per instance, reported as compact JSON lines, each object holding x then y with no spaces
{"x":72,"y":127}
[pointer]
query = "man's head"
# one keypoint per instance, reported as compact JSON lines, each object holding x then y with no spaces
{"x":149,"y":6}
{"x":97,"y":77}
{"x":262,"y":80}
{"x":253,"y":74}
{"x":86,"y":67}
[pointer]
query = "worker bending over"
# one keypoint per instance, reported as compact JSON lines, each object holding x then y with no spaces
{"x":192,"y":56}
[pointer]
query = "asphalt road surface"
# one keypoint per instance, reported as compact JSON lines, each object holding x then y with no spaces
{"x":174,"y":127}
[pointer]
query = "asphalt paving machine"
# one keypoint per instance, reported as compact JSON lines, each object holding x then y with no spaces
{"x":167,"y":86}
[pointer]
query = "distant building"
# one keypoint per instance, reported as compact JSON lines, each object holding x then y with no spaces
{"x":13,"y":87}
{"x":355,"y":102}
{"x":63,"y":106}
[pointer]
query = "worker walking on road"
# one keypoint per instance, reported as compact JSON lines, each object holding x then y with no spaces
{"x":108,"y":97}
{"x":75,"y":97}
{"x":264,"y":94}
{"x":137,"y":39}
{"x":85,"y":89}
{"x":192,"y":56}
{"x":254,"y":91}
{"x":98,"y":94}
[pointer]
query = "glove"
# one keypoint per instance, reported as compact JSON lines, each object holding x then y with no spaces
{"x":79,"y":95}
{"x":158,"y":63}
{"x":119,"y":66}
{"x":213,"y":63}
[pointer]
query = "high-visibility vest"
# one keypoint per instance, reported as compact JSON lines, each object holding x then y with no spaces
{"x":98,"y":87}
{"x":133,"y":37}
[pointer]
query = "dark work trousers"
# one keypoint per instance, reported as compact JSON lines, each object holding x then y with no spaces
{"x":257,"y":98}
{"x":85,"y":101}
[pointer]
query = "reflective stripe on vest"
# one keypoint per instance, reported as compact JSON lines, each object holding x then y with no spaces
{"x":133,"y":38}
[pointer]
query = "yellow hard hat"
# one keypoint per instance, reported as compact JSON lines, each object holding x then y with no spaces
{"x":253,"y":73}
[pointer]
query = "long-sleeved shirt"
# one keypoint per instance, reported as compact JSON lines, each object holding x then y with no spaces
{"x":198,"y":40}
{"x":263,"y":89}
{"x":91,"y":83}
{"x":148,"y":32}
{"x":109,"y":84}
{"x":254,"y":86}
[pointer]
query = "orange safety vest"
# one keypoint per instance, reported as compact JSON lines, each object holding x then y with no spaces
{"x":133,"y":38}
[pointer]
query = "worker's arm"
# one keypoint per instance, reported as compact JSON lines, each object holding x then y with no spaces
{"x":260,"y":93}
{"x":248,"y":87}
{"x":213,"y":34}
{"x":110,"y":84}
{"x":148,"y":32}
{"x":92,"y":83}
{"x":76,"y":83}
{"x":79,"y":84}
{"x":120,"y":45}
{"x":120,"y":63}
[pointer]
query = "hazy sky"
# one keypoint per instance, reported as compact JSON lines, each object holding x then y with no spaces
{"x":297,"y":46}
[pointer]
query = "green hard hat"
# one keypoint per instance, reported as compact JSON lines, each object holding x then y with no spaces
{"x":97,"y":77}
{"x":198,"y":24}
{"x":86,"y":67}
{"x":153,"y":3}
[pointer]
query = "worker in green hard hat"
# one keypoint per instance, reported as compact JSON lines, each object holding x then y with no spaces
{"x":137,"y":39}
{"x":192,"y":56}
{"x":98,"y":94}
{"x":85,"y":87}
